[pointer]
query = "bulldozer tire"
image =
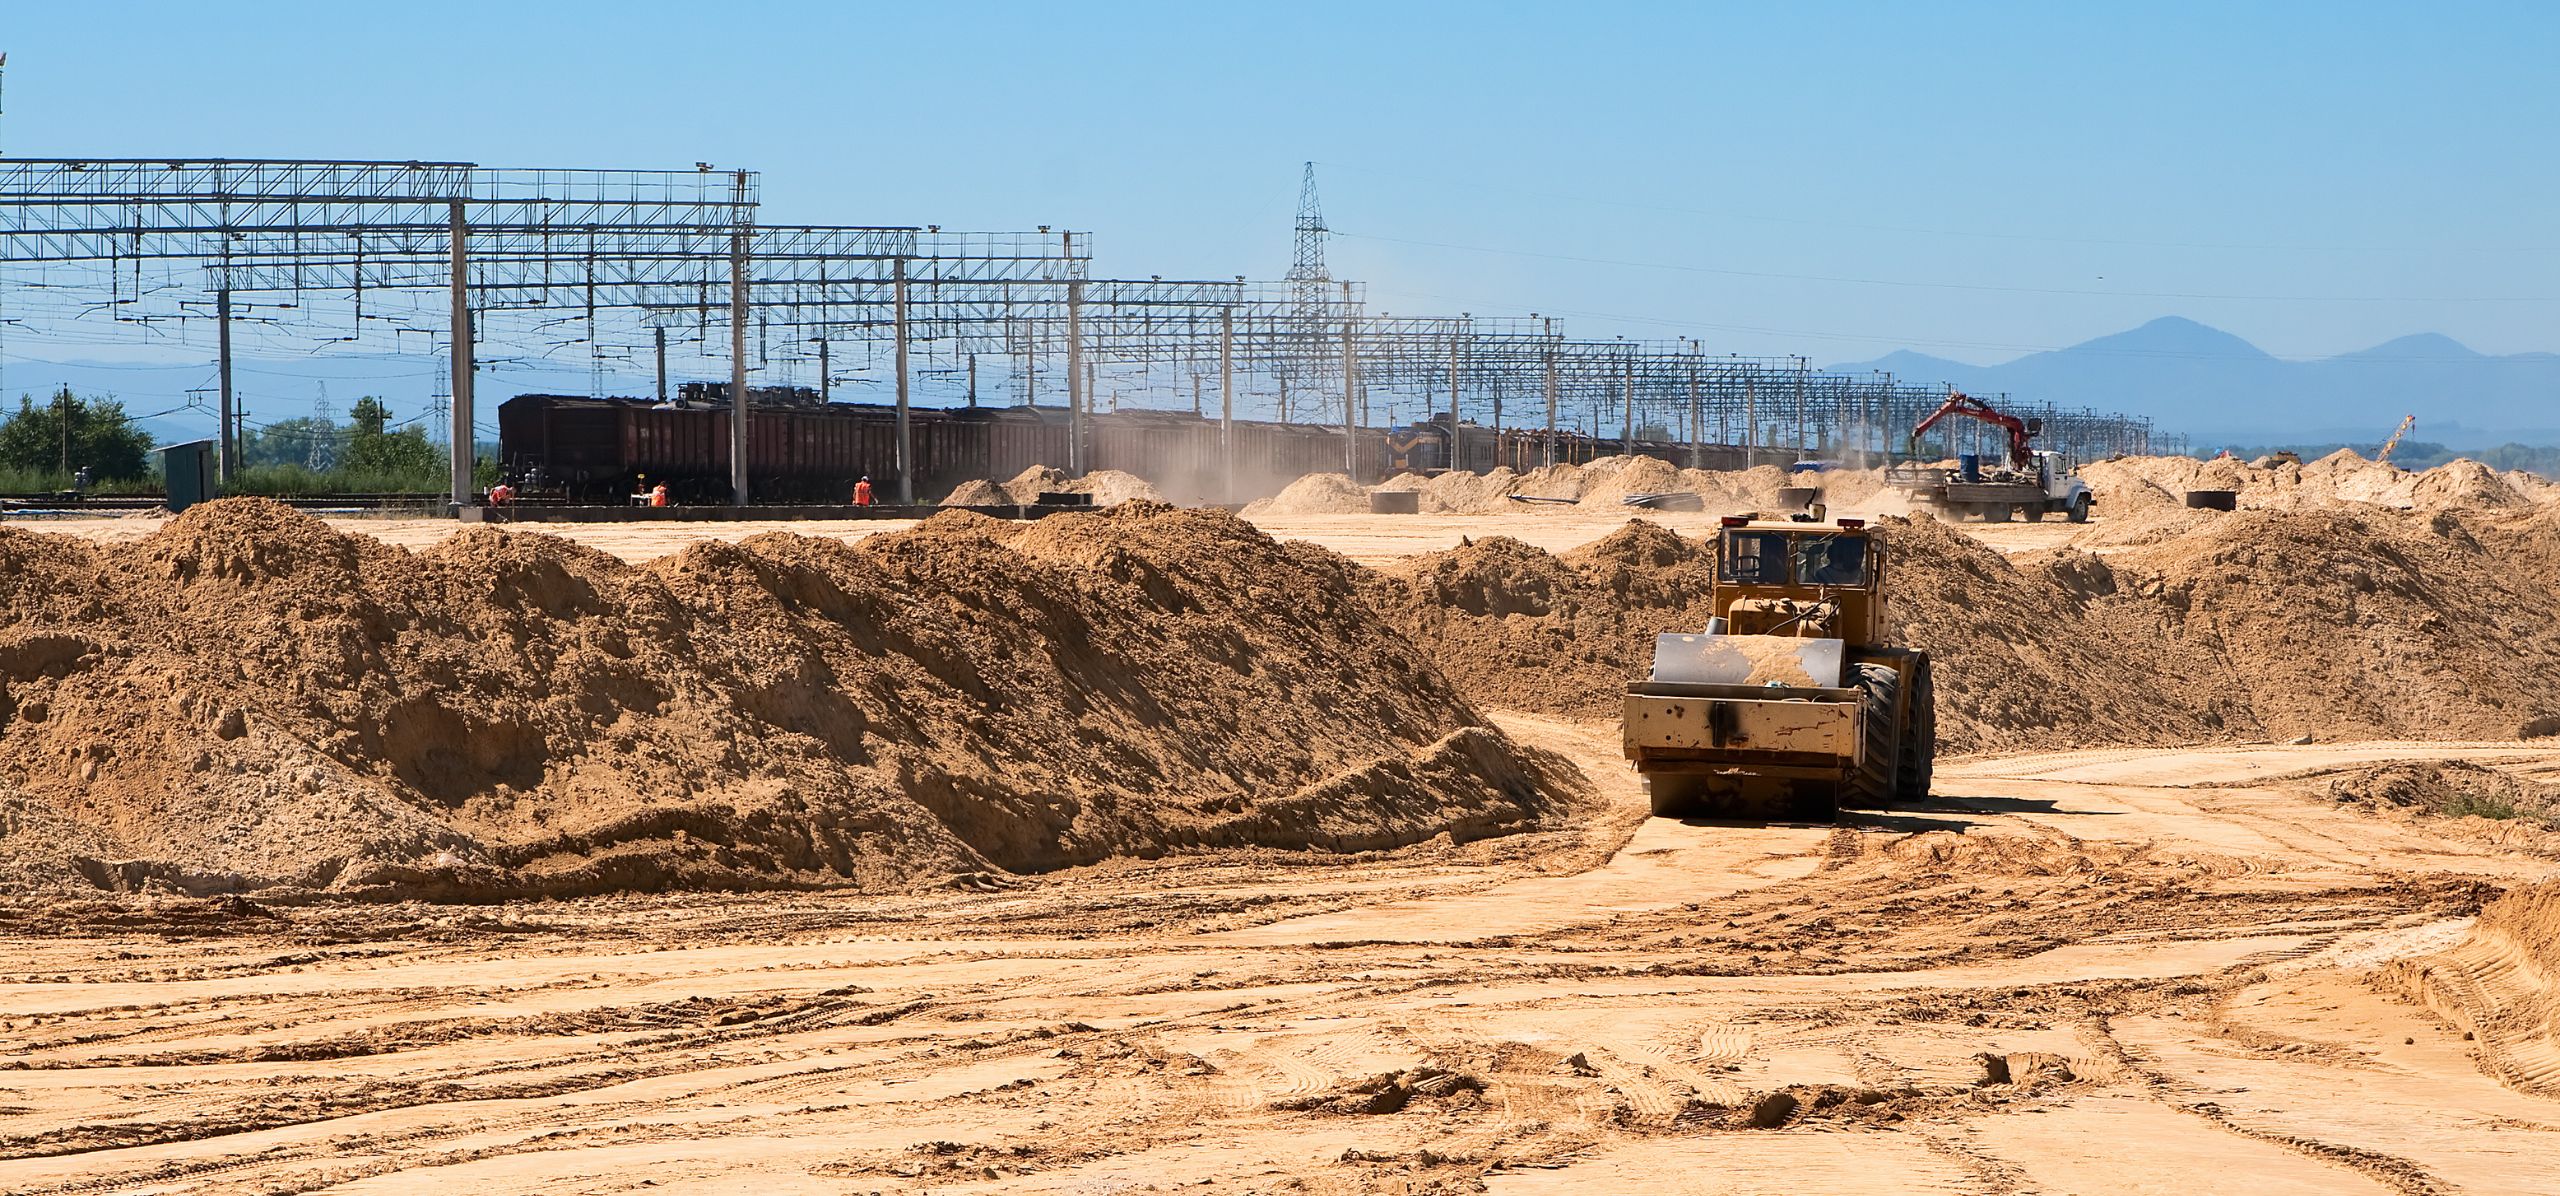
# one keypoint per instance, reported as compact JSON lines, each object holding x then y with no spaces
{"x":2079,"y":509}
{"x":1871,"y":783}
{"x":1671,"y":794}
{"x":1918,"y":762}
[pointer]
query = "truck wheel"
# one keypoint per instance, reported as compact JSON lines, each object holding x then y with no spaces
{"x":1871,"y":782}
{"x":2079,"y":509}
{"x":1671,"y":794}
{"x":1918,"y":762}
{"x":1995,"y":513}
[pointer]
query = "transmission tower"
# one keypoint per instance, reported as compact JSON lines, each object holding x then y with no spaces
{"x":315,"y":455}
{"x":1306,"y":365}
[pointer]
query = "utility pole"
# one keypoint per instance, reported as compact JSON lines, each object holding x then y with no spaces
{"x":738,"y":403}
{"x":226,"y":452}
{"x":1697,"y":414}
{"x":1075,"y":378}
{"x":1195,"y":396}
{"x":973,"y":381}
{"x":906,"y":444}
{"x":1551,"y":390}
{"x":1750,"y":417}
{"x":661,"y":330}
{"x":1456,"y":455}
{"x":826,"y":373}
{"x":1227,"y":400}
{"x":1350,"y":388}
{"x":1627,"y":434}
{"x":458,"y":229}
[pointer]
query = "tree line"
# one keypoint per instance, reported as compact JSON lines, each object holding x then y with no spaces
{"x":43,"y":446}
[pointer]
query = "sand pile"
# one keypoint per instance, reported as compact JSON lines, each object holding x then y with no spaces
{"x":1315,"y":494}
{"x":2353,"y":621}
{"x":1551,"y":481}
{"x":1609,"y":479}
{"x":1520,"y":628}
{"x":977,"y":492}
{"x":1111,"y":487}
{"x":1027,"y":486}
{"x":246,"y":698}
{"x":2024,"y":657}
{"x":2500,"y":986}
{"x":2453,"y":788}
{"x":2132,"y":484}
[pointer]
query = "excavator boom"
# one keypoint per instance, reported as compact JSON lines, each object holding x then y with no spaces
{"x":2021,"y":432}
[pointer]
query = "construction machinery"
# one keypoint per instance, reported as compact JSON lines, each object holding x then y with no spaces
{"x":2406,"y":422}
{"x":2027,"y":482}
{"x":1791,"y":703}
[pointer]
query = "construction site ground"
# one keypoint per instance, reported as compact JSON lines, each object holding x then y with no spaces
{"x":2121,"y":969}
{"x":2144,"y":971}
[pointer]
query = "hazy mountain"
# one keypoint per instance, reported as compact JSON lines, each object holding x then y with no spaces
{"x":2215,"y":386}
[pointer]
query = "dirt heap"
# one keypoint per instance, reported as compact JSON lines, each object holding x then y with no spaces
{"x":977,"y":492}
{"x":1111,"y":487}
{"x":248,"y":699}
{"x":2024,"y":656}
{"x":1027,"y":486}
{"x":1315,"y":494}
{"x":2134,"y":484}
{"x":1609,"y":479}
{"x":2343,"y":622}
{"x":2500,"y":986}
{"x":2453,"y":788}
{"x":1521,"y":628}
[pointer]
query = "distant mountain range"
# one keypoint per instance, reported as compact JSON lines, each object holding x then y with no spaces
{"x":2214,"y":386}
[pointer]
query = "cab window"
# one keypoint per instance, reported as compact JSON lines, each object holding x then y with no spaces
{"x":1830,"y":561}
{"x":1755,"y":558}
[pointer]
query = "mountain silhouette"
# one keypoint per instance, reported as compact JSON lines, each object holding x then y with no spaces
{"x":2194,"y":378}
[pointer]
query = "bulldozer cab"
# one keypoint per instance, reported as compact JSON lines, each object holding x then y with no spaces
{"x":1805,"y":580}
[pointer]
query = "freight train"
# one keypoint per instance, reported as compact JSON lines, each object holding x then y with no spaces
{"x":590,"y":450}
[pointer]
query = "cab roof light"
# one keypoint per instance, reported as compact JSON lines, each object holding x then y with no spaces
{"x":1734,"y":520}
{"x":1851,"y":525}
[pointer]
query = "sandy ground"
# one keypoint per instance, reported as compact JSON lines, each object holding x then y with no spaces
{"x":2164,"y":951}
{"x":1368,"y":539}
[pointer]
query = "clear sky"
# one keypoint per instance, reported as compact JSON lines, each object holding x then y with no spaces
{"x":1837,"y":180}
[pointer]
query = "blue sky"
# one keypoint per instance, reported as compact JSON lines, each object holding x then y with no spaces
{"x":1972,"y":180}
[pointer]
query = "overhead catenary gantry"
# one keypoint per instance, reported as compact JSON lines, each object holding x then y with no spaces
{"x":677,"y":251}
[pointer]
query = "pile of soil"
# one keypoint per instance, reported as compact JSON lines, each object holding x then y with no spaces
{"x":2359,"y":621}
{"x":2132,"y":484}
{"x":1519,"y":628}
{"x":2021,"y":658}
{"x":2453,"y":788}
{"x":1315,"y":494}
{"x":2500,"y":986}
{"x":978,"y":493}
{"x":247,"y":699}
{"x":1027,"y":486}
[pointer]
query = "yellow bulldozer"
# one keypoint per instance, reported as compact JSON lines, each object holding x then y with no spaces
{"x":1790,"y":704}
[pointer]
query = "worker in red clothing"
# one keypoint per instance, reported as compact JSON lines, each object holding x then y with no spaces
{"x":658,"y":495}
{"x":501,"y":494}
{"x":862,"y":491}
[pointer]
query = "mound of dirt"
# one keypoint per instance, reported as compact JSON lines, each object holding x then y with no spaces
{"x":1315,"y":494}
{"x":1609,"y":479}
{"x":1111,"y":487}
{"x":247,"y":699}
{"x":2454,"y":788}
{"x":2354,"y":621}
{"x":2500,"y":986}
{"x":1027,"y":486}
{"x":978,"y":493}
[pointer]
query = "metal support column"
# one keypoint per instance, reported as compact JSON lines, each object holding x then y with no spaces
{"x":1350,"y":388}
{"x":662,"y":363}
{"x":826,"y":374}
{"x":1551,"y":392}
{"x":1627,"y":433}
{"x":1697,"y":421}
{"x":738,"y":362}
{"x":906,"y":429}
{"x":1227,"y":401}
{"x":226,"y":451}
{"x":1075,"y":378}
{"x":457,"y":226}
{"x":1457,"y":455}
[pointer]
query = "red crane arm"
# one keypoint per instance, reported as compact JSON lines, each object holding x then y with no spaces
{"x":1960,"y":403}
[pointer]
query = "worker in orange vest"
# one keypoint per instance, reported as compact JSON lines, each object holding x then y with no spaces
{"x":658,"y":495}
{"x":862,"y":491}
